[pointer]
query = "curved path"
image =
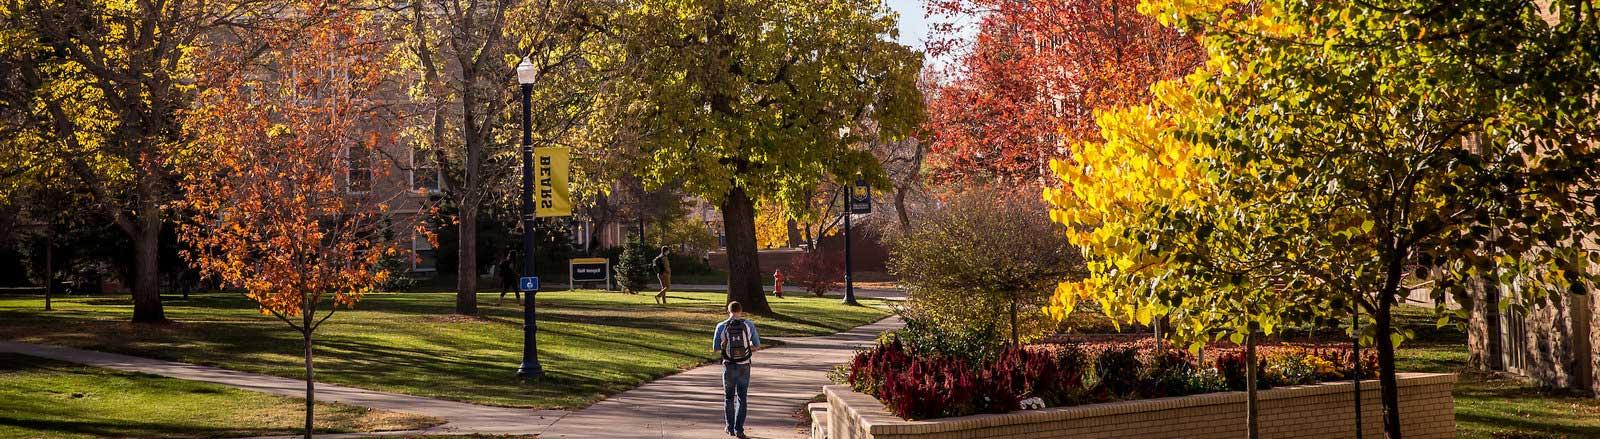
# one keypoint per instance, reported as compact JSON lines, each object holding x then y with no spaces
{"x":459,"y":417}
{"x":686,"y":405}
{"x":689,"y":404}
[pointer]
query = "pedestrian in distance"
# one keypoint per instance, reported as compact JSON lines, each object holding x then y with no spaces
{"x":736,"y":340}
{"x":663,"y":273}
{"x":507,"y":270}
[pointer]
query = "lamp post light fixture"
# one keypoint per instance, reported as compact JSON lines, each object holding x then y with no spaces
{"x":530,"y":367}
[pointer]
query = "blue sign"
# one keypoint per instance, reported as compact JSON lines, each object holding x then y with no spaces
{"x":530,"y":283}
{"x":860,"y":197}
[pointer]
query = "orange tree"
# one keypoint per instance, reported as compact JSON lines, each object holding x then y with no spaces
{"x":266,"y":182}
{"x":1025,"y":86}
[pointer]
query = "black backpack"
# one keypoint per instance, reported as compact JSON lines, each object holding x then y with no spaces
{"x":736,"y":341}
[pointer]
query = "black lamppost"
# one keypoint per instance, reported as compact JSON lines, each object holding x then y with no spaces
{"x":530,"y":328}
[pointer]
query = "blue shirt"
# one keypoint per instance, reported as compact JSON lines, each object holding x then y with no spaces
{"x":716,"y":339}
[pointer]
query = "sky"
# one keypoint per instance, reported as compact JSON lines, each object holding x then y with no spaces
{"x":914,"y":26}
{"x":913,"y":22}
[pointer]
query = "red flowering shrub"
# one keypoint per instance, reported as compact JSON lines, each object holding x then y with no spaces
{"x":1232,"y":366}
{"x":816,"y":271}
{"x":923,"y":384}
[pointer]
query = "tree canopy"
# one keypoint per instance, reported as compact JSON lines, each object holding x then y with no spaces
{"x":745,"y":100}
{"x":1397,"y":142}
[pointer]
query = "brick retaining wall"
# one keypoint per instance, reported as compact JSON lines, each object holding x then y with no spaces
{"x":1299,"y":412}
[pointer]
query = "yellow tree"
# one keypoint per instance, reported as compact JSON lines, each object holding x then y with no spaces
{"x":1445,"y":141}
{"x":1165,"y":238}
{"x":272,"y":214}
{"x":772,"y":225}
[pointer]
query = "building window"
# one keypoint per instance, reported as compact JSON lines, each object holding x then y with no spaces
{"x":424,"y":257}
{"x":358,"y":174}
{"x":425,"y":172}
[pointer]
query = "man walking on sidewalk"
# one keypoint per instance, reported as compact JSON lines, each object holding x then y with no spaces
{"x":736,"y":339}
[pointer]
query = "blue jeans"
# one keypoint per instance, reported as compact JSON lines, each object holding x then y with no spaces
{"x":735,"y":383}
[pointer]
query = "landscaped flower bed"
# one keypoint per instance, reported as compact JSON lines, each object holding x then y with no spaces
{"x":914,"y":384}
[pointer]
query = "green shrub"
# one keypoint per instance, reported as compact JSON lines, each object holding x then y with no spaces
{"x":973,"y":344}
{"x":633,"y":270}
{"x":987,"y":258}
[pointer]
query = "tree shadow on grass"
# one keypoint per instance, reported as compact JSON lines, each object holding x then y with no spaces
{"x":127,"y":428}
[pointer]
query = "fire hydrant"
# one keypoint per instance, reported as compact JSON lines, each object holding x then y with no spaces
{"x":777,"y":283}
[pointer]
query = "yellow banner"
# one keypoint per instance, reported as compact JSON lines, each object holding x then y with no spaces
{"x":552,"y":171}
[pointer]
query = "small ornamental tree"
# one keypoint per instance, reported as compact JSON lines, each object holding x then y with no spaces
{"x":634,"y":269}
{"x":987,"y":257}
{"x":283,"y":162}
{"x":817,"y":271}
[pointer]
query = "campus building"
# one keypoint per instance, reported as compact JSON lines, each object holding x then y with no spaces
{"x":1553,"y":343}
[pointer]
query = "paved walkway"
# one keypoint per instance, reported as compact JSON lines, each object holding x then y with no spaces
{"x":869,"y":293}
{"x":460,"y":418}
{"x":689,"y":404}
{"x":686,"y":405}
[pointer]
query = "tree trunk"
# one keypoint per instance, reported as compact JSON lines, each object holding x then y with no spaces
{"x":1390,"y":394}
{"x":1252,"y":406}
{"x":1015,"y":340}
{"x":744,"y":269}
{"x":147,"y":272}
{"x":311,"y":382}
{"x":49,"y":265}
{"x":467,"y":262}
{"x":900,"y":208}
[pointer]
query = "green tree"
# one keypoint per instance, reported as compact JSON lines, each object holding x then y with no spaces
{"x":463,"y":55}
{"x":633,"y":270}
{"x":743,"y":100}
{"x":104,"y":83}
{"x":1412,"y":140}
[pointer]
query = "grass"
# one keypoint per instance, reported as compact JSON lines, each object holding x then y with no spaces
{"x":51,"y":399}
{"x":591,"y":344}
{"x":1486,"y":403}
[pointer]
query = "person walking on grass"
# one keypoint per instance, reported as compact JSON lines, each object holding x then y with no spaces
{"x":507,"y":269}
{"x":663,"y":274}
{"x":736,"y":340}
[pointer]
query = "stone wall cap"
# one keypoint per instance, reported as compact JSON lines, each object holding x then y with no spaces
{"x":876,"y":418}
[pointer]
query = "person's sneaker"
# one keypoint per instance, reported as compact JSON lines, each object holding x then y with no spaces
{"x":741,"y":435}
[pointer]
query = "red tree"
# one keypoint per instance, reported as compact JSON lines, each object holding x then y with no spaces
{"x":270,"y":183}
{"x":1028,"y":83}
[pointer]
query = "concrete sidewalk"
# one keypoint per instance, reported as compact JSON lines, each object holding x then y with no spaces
{"x":689,"y":404}
{"x":460,"y":418}
{"x":792,"y":290}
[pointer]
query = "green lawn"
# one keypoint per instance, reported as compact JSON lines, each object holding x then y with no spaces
{"x":1487,"y":404}
{"x":44,"y":398}
{"x":591,"y":343}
